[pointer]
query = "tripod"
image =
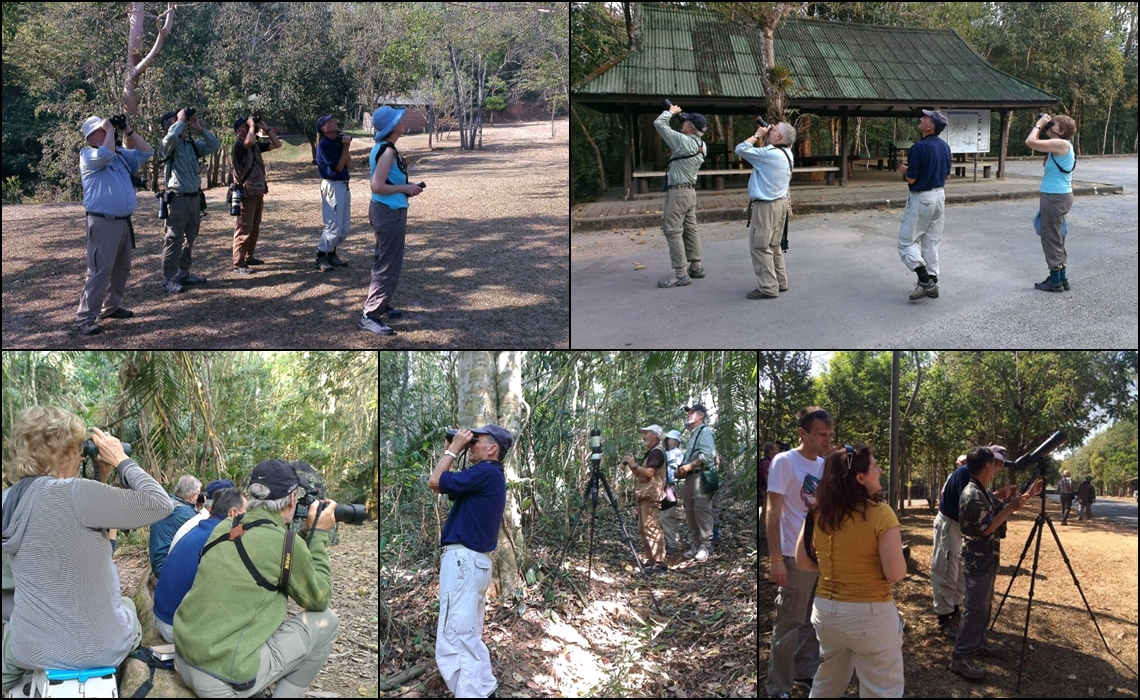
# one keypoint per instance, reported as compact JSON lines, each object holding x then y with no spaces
{"x":1038,"y":527}
{"x":590,"y":495}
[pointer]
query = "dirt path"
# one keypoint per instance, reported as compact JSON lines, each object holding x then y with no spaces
{"x":485,"y":264}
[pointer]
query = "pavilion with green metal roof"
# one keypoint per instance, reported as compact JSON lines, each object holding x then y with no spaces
{"x":709,"y":65}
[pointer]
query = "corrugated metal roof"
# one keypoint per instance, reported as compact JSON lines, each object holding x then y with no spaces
{"x":685,"y":53}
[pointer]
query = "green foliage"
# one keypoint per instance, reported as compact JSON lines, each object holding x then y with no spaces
{"x":1110,"y":458}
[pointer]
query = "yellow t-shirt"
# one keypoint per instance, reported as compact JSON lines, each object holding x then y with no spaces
{"x":856,"y":575}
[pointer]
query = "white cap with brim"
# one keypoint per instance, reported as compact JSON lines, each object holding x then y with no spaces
{"x":91,"y":125}
{"x":653,"y":429}
{"x":674,"y":435}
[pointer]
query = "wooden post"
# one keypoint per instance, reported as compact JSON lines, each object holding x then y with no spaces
{"x":843,"y":147}
{"x":1004,"y":143}
{"x":627,"y":147}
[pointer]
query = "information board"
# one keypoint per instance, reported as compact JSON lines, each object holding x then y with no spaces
{"x":968,"y":131}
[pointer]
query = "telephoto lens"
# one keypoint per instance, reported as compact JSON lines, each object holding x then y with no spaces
{"x":350,"y":513}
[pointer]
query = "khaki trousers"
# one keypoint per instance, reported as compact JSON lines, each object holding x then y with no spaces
{"x":247,"y":228}
{"x":652,"y":539}
{"x":181,"y":231}
{"x":863,"y":637}
{"x":108,"y":266}
{"x":946,"y":575}
{"x":295,"y":653}
{"x":463,"y":659}
{"x":765,"y":232}
{"x":698,"y":511}
{"x":679,"y":224}
{"x":671,"y":520}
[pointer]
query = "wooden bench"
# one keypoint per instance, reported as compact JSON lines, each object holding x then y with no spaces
{"x":718,"y":175}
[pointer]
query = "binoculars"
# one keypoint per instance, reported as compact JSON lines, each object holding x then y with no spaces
{"x":119,"y":121}
{"x":90,"y":450}
{"x":761,"y":122}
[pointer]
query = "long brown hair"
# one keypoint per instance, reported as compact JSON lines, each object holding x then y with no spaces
{"x":839,"y":494}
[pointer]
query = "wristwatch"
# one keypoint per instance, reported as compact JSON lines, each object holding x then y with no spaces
{"x":451,"y":454}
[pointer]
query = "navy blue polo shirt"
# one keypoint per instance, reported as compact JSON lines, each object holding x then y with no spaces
{"x":479,"y":495}
{"x":929,"y":163}
{"x":952,"y":492}
{"x":328,"y":155}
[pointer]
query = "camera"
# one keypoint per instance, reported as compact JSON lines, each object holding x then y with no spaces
{"x":119,"y":121}
{"x":235,"y":200}
{"x":90,"y":450}
{"x":311,"y":492}
{"x":1042,"y":132}
{"x":190,"y":112}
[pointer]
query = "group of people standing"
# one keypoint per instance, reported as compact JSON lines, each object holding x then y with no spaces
{"x":769,"y":153}
{"x":835,"y":551}
{"x":109,"y":175}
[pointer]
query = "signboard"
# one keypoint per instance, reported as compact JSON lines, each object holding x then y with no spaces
{"x":968,"y":131}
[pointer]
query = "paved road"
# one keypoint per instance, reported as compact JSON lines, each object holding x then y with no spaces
{"x":848,"y":288}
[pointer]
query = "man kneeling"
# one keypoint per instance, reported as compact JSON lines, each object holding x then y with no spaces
{"x":230,"y":631}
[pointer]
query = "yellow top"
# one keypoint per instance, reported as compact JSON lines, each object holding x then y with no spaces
{"x":856,"y":575}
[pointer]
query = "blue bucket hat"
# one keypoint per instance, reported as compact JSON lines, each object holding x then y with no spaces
{"x":384,"y":120}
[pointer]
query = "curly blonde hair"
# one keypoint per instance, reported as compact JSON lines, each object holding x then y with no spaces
{"x":44,"y":440}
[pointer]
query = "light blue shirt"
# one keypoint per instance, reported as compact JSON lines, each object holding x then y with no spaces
{"x":771,"y":171}
{"x":397,"y":200}
{"x":106,"y":176}
{"x":1055,"y":181}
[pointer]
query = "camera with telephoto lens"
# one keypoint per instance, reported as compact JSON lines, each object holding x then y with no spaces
{"x":311,"y":492}
{"x":234,"y":200}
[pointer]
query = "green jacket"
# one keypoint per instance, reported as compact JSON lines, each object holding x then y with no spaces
{"x":225,"y":618}
{"x":688,"y":152}
{"x":701,"y":445}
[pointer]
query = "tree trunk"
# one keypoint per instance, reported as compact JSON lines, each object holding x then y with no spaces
{"x":597,"y":153}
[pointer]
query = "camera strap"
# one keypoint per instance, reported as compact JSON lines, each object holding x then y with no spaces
{"x":239,"y":528}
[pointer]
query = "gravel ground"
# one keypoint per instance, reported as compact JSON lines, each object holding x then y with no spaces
{"x":485,"y":264}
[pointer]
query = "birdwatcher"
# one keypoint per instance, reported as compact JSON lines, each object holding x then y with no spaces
{"x":771,"y":158}
{"x":181,"y":158}
{"x":679,"y":221}
{"x":926,"y":170}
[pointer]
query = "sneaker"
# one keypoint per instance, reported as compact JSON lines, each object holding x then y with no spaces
{"x":804,"y":683}
{"x":243,"y":270}
{"x":702,"y":554}
{"x":119,"y":313}
{"x":393,"y":313}
{"x":757,"y":294}
{"x":656,"y":569}
{"x":190,"y":278}
{"x":924,"y":290}
{"x":323,"y":263}
{"x":254,"y":261}
{"x":675,"y":281}
{"x":672,"y":551}
{"x":89,"y":328}
{"x":378,"y":327}
{"x":336,"y":261}
{"x":691,"y":553}
{"x":171,"y":286}
{"x":696,"y":272}
{"x":966,"y":668}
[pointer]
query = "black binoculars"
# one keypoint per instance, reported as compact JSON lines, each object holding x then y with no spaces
{"x":761,"y":122}
{"x":119,"y":121}
{"x":90,"y":450}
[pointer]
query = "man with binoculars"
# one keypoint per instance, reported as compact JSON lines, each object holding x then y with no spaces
{"x":109,"y":200}
{"x":181,"y":155}
{"x":769,"y":205}
{"x":479,"y":495}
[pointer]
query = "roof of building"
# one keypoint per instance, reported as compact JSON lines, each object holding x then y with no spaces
{"x":702,"y":61}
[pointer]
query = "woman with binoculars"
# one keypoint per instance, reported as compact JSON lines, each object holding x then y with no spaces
{"x":1052,"y":136}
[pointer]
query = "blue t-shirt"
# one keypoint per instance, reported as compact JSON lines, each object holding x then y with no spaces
{"x":329,"y":152}
{"x":479,"y":495}
{"x":180,"y":569}
{"x":929,"y":163}
{"x":952,"y":492}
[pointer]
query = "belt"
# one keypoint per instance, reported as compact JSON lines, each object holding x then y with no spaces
{"x":769,"y":200}
{"x":675,"y":187}
{"x":185,"y":194}
{"x":108,"y":216}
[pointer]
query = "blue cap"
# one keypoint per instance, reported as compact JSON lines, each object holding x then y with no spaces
{"x":501,"y":435}
{"x":216,"y":486}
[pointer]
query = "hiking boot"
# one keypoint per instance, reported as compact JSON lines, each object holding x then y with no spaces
{"x":1064,"y":279}
{"x":804,"y":683}
{"x":990,"y":650}
{"x":702,"y":554}
{"x":323,"y":262}
{"x":377,"y":327}
{"x":393,"y":313}
{"x":966,"y":668}
{"x":675,"y":281}
{"x":1052,"y":283}
{"x":254,"y":261}
{"x":171,"y":286}
{"x":335,"y":260}
{"x":757,"y":294}
{"x":190,"y":278}
{"x":924,"y":290}
{"x":89,"y":328}
{"x":696,"y":272}
{"x":119,"y":313}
